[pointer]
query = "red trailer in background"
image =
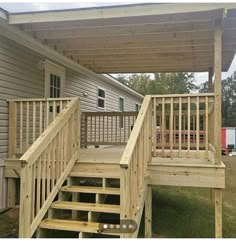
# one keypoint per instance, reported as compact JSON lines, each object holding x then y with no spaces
{"x":228,"y":139}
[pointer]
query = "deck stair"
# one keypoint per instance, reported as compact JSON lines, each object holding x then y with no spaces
{"x":84,"y":203}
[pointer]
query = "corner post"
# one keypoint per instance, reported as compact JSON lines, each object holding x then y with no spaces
{"x":218,"y":213}
{"x":12,"y":126}
{"x":217,"y":88}
{"x":148,"y":213}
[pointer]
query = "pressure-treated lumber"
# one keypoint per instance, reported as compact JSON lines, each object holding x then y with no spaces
{"x":148,"y":213}
{"x":218,"y":213}
{"x":72,"y":225}
{"x":217,"y":87}
{"x":79,"y":206}
{"x":91,"y":189}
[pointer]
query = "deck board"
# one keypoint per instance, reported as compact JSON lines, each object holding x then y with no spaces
{"x":112,"y":155}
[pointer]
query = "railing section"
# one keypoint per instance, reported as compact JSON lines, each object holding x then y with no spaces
{"x":46,"y":165}
{"x":107,"y":128}
{"x":136,"y":156}
{"x":181,"y":125}
{"x":28,"y":118}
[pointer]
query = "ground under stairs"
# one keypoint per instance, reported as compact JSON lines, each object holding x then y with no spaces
{"x":87,"y":206}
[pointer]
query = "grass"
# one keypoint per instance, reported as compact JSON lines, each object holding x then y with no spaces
{"x":188,"y":212}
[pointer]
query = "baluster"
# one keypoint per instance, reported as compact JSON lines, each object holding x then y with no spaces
{"x":189,"y":108}
{"x":163,"y":128}
{"x":154,"y":127}
{"x":34,"y":120}
{"x":27,"y":125}
{"x":21,"y":127}
{"x":171,"y":127}
{"x":180,"y":126}
{"x":39,"y":173}
{"x":206,"y":127}
{"x":197,"y":124}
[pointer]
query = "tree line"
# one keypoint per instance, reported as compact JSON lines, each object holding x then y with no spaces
{"x":180,"y":83}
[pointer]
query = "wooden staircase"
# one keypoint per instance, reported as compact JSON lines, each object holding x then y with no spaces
{"x":86,"y":202}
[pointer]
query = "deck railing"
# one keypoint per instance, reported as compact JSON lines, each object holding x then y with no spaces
{"x":46,"y":165}
{"x":107,"y":128}
{"x":181,"y":124}
{"x":168,"y":125}
{"x":137,"y":155}
{"x":28,"y":118}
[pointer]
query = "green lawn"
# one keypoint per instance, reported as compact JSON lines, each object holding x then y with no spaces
{"x":188,"y":212}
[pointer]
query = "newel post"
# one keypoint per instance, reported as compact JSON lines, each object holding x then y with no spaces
{"x":25,"y":201}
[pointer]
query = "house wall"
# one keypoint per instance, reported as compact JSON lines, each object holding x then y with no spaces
{"x":22,"y":76}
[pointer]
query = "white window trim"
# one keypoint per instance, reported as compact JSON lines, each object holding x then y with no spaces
{"x":51,"y":67}
{"x":139,"y":107}
{"x":98,"y":97}
{"x":119,"y":103}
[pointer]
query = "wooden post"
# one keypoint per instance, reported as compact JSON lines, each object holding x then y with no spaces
{"x":217,"y":108}
{"x":210,"y":84}
{"x":148,"y":213}
{"x":11,"y":183}
{"x":25,"y":203}
{"x":218,"y":213}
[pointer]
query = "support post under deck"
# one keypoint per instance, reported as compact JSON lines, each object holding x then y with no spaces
{"x":148,"y":213}
{"x":218,"y":213}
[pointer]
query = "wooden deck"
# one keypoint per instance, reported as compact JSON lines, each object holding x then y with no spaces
{"x":193,"y":172}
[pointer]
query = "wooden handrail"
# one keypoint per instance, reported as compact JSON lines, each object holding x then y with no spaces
{"x":47,"y":164}
{"x":126,"y":157}
{"x":134,"y":161}
{"x":184,"y":95}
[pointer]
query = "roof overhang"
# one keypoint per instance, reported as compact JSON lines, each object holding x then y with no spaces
{"x":137,"y":38}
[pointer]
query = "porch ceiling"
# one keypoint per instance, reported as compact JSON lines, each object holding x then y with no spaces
{"x":136,"y":38}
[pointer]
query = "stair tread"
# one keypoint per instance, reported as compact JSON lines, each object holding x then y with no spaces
{"x":71,"y":225}
{"x":94,"y":175}
{"x":92,"y":189}
{"x":94,"y":207}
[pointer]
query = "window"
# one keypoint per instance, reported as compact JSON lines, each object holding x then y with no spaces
{"x":122,"y":108}
{"x":137,"y":107}
{"x":121,"y":104}
{"x":101,"y":98}
{"x":54,"y":80}
{"x":55,"y":86}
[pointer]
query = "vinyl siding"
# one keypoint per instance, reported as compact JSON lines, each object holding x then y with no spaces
{"x":77,"y":84}
{"x":20,"y":77}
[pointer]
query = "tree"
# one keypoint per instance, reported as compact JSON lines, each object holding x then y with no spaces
{"x":160,"y":83}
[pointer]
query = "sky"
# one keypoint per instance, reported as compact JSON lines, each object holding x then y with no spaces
{"x":40,"y":6}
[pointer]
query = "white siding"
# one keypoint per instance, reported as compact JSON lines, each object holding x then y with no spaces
{"x":19,"y":77}
{"x":77,"y":84}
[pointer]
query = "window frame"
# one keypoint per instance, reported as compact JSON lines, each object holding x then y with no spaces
{"x":120,"y":97}
{"x":101,"y":98}
{"x":54,"y":69}
{"x":137,"y":105}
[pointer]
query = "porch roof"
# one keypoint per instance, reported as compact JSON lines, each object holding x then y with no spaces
{"x":136,"y":38}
